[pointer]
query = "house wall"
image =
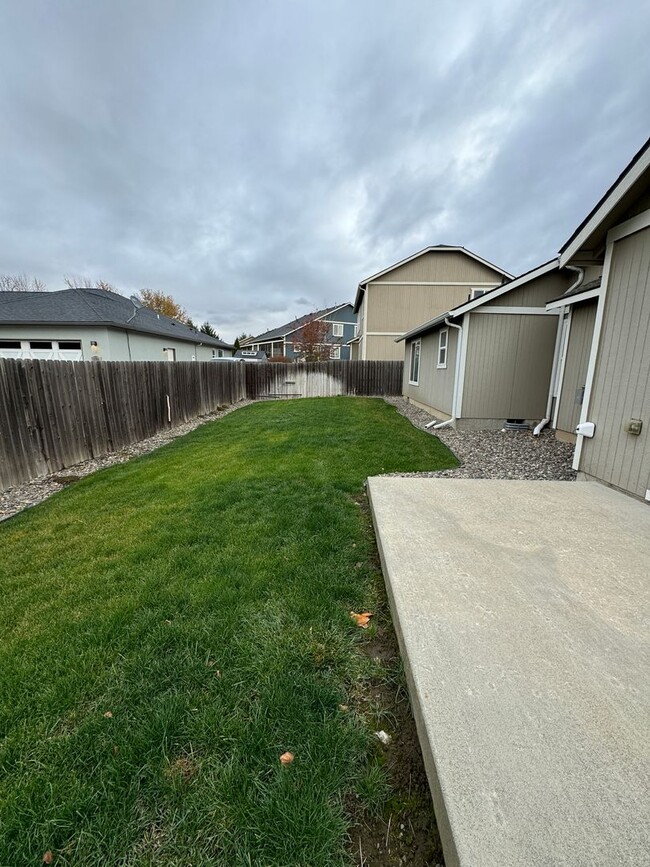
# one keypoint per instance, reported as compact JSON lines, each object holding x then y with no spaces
{"x":113,"y":344}
{"x":508,"y":367}
{"x":58,"y":332}
{"x":581,"y":329}
{"x":621,"y":386}
{"x":413,"y":293}
{"x":536,"y":293}
{"x":436,"y":387}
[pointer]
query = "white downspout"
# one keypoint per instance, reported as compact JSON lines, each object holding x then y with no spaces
{"x":454,"y":400}
{"x":554,"y":371}
{"x":580,"y":278}
{"x":549,"y":404}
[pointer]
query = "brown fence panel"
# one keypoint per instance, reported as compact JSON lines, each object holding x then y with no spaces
{"x":324,"y":379}
{"x":54,"y":414}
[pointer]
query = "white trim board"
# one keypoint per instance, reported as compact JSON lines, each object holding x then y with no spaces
{"x":525,"y":311}
{"x":573,"y":299}
{"x":474,"y":283}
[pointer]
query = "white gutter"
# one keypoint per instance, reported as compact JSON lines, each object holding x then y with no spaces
{"x":454,"y":400}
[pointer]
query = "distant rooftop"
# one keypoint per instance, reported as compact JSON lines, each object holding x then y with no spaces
{"x":95,"y":307}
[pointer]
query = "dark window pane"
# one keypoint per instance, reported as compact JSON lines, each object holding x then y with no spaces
{"x":9,"y":344}
{"x":69,"y":344}
{"x":40,"y":344}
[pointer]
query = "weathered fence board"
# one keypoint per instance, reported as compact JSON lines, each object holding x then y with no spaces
{"x":55,"y":414}
{"x":324,"y":379}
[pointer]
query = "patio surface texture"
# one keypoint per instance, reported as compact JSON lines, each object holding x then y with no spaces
{"x":521,"y":609}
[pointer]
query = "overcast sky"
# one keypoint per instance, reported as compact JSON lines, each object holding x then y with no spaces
{"x":258,"y":159}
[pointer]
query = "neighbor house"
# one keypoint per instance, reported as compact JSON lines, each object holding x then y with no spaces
{"x":413,"y":291}
{"x":339,"y":327}
{"x":83,"y":324}
{"x":604,"y":384}
{"x":491,"y":359}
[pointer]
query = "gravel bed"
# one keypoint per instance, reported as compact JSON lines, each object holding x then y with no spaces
{"x":21,"y":497}
{"x":495,"y":454}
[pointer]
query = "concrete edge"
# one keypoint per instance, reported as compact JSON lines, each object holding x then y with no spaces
{"x":452,"y":858}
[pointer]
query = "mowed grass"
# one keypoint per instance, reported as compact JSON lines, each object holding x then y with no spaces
{"x":170,"y":626}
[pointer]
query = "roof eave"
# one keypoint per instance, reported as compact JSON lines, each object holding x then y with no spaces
{"x":598,"y":215}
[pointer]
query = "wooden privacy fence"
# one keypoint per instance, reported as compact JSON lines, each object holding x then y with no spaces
{"x":54,"y":414}
{"x":324,"y":379}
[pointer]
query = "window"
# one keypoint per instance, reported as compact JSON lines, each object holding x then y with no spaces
{"x":70,"y":344}
{"x":335,"y":352}
{"x":414,"y":369}
{"x":442,"y":347}
{"x":337,"y":329}
{"x":40,"y":344}
{"x":9,"y":344}
{"x":476,"y":293}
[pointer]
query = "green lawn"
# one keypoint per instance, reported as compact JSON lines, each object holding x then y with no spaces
{"x":200,"y":597}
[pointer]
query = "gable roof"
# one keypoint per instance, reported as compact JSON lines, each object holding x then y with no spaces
{"x":592,"y":231}
{"x":438,"y":248}
{"x":95,"y":307}
{"x":294,"y":325}
{"x":490,"y":295}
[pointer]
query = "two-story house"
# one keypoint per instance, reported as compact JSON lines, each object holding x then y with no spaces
{"x":339,"y":327}
{"x":413,"y":291}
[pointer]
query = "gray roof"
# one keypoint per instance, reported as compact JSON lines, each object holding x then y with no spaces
{"x":578,"y":290}
{"x":294,"y":325}
{"x":94,"y":307}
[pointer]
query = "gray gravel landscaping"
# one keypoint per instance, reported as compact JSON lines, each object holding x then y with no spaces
{"x":483,"y":455}
{"x":496,"y":454}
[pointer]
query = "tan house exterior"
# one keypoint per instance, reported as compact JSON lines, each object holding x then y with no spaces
{"x":490,"y":359}
{"x":604,"y":389}
{"x":417,"y":289}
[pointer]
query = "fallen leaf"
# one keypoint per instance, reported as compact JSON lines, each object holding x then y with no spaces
{"x":48,"y":857}
{"x":108,"y":714}
{"x":384,"y":737}
{"x":343,"y":707}
{"x":217,"y":673}
{"x":361,"y":619}
{"x":286,"y":758}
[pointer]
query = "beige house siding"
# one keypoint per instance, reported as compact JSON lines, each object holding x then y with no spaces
{"x":508,"y":366}
{"x":576,"y":362}
{"x":436,"y":388}
{"x":413,"y":293}
{"x":400,"y":308}
{"x":536,"y":293}
{"x":621,"y":387}
{"x":442,"y":267}
{"x":383,"y":348}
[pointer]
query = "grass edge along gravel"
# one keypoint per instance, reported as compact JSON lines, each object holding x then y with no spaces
{"x":172,"y":625}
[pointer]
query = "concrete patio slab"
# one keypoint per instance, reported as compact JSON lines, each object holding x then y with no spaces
{"x":522,"y":613}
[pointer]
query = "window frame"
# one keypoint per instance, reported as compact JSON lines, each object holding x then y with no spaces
{"x":414,"y":362}
{"x":338,"y":329}
{"x":335,"y":353}
{"x":443,"y":349}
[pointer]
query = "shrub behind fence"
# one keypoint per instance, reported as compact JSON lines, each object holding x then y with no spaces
{"x":55,"y":414}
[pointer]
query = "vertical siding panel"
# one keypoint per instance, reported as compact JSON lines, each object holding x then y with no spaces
{"x":621,"y":388}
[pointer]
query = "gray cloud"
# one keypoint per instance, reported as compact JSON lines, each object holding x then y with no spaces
{"x":259,"y":159}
